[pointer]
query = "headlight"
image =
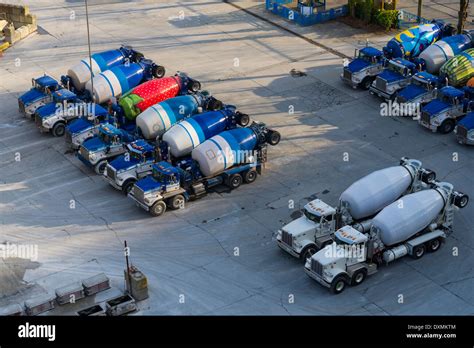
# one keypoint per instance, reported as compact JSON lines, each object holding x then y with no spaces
{"x":470,"y":134}
{"x":92,"y":157}
{"x":148,"y":200}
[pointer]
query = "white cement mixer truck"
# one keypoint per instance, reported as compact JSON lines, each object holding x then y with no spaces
{"x":307,"y":234}
{"x":414,"y":224}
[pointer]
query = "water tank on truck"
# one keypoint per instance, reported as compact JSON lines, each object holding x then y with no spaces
{"x":232,"y":147}
{"x":80,"y":74}
{"x":373,"y":192}
{"x":154,"y":91}
{"x":184,"y":136}
{"x":440,"y":52}
{"x":158,"y":118}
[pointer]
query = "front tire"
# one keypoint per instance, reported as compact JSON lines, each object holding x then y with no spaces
{"x":274,"y":138}
{"x":308,"y":252}
{"x":366,"y":83}
{"x":338,"y":284}
{"x":158,"y":208}
{"x":59,"y":129}
{"x":447,"y":126}
{"x":100,"y":167}
{"x":127,"y":186}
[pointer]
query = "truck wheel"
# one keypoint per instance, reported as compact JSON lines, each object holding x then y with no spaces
{"x":308,"y":252}
{"x":195,"y":86}
{"x":447,"y":126}
{"x":419,"y":251}
{"x":59,"y":129}
{"x":274,"y":138}
{"x":434,"y":245}
{"x":235,"y":181}
{"x":428,"y":176}
{"x":338,"y":284}
{"x":461,"y":201}
{"x":100,"y":167}
{"x":358,"y":277}
{"x":250,"y":176}
{"x":176,"y":202}
{"x":158,"y":208}
{"x":366,"y":83}
{"x":158,"y":71}
{"x":127,"y":186}
{"x":244,"y":120}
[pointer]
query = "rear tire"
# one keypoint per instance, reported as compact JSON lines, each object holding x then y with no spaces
{"x":100,"y":167}
{"x":244,"y":120}
{"x":338,"y":284}
{"x":434,"y":245}
{"x":158,"y":208}
{"x":461,"y":201}
{"x":159,"y":71}
{"x":274,"y":138}
{"x":235,"y":180}
{"x":419,"y":252}
{"x":428,"y":176}
{"x":176,"y":202}
{"x":447,"y":126}
{"x":195,"y":86}
{"x":250,"y":176}
{"x":59,"y":129}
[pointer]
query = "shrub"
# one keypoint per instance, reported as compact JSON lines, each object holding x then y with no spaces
{"x":388,"y":19}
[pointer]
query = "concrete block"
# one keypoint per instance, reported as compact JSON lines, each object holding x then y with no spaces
{"x":68,"y":293}
{"x":12,"y":310}
{"x":39,"y":305}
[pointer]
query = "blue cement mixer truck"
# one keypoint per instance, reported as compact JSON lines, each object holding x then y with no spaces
{"x":231,"y":158}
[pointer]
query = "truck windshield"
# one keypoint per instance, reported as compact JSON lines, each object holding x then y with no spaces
{"x":447,"y":99}
{"x":159,"y":176}
{"x":421,"y":83}
{"x":312,"y":217}
{"x":106,"y":138}
{"x":136,"y":155}
{"x":365,"y":57}
{"x":395,"y":68}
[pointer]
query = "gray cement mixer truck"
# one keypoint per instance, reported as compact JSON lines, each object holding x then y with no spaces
{"x":413,"y":225}
{"x":304,"y":236}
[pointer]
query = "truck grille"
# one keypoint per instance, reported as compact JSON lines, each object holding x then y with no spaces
{"x":316,"y":267}
{"x":111,"y":173}
{"x":347,"y":74}
{"x":84,"y":153}
{"x":139,"y":194}
{"x":425,"y":117}
{"x":38,"y":121}
{"x":68,"y":137}
{"x":287,"y":238}
{"x":21,"y":106}
{"x":381,"y":84}
{"x":462,"y":132}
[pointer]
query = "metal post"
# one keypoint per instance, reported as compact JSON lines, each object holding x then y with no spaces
{"x":90,"y":53}
{"x":128,"y":267}
{"x":463,"y":5}
{"x":420,"y":4}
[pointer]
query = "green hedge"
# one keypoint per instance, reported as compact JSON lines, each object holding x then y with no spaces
{"x":387,"y":19}
{"x":365,"y":11}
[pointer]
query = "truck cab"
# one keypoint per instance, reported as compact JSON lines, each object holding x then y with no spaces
{"x":126,"y":169}
{"x":39,"y":94}
{"x":465,"y":130}
{"x":362,"y":70}
{"x":107,"y":145}
{"x":422,"y":89}
{"x":64,"y":107}
{"x":302,"y":237}
{"x":396,"y":75}
{"x":441,"y":114}
{"x":85,"y":127}
{"x":161,"y":189}
{"x":342,"y":263}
